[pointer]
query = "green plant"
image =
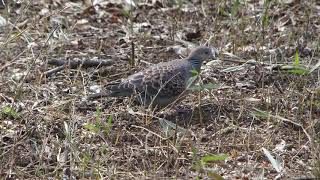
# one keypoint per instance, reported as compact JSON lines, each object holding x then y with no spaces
{"x":100,"y":126}
{"x":200,"y":165}
{"x":296,"y":68}
{"x":235,"y":8}
{"x":8,"y":111}
{"x":191,"y":85}
{"x":265,"y":16}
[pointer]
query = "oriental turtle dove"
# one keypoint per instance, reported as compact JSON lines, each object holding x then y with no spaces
{"x":161,"y":84}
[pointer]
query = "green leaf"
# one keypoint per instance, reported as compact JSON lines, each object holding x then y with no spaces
{"x":222,"y":12}
{"x":108,"y":126}
{"x":235,"y":8}
{"x":126,"y":13}
{"x":98,"y":113}
{"x":316,"y":104}
{"x":10,"y":112}
{"x":295,"y":69}
{"x":170,"y":128}
{"x":265,"y":17}
{"x":210,"y":158}
{"x":260,"y":113}
{"x":297,"y":58}
{"x":110,"y":121}
{"x":195,"y":88}
{"x":299,"y":71}
{"x":92,"y":127}
{"x":194,"y":151}
{"x":194,"y":72}
{"x":191,"y":81}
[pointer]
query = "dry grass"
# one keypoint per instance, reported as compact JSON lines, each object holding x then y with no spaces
{"x":48,"y":129}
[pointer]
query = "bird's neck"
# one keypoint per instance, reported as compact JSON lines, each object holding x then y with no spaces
{"x":196,"y":64}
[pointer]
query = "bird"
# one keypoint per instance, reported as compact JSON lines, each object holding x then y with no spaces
{"x":163,"y":83}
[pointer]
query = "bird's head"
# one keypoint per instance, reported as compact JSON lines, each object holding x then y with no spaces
{"x":200,"y":54}
{"x":203,"y":53}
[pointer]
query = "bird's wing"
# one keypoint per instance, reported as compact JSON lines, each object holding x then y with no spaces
{"x":164,"y":80}
{"x":167,"y":79}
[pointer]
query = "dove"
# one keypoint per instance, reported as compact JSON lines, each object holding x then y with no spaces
{"x":162,"y":83}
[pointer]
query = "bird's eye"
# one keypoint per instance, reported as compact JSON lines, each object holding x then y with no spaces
{"x":206,"y":52}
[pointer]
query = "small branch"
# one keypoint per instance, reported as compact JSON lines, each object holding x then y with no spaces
{"x":288,"y":121}
{"x":294,"y":123}
{"x":72,"y":64}
{"x":75,"y":64}
{"x":97,"y":96}
{"x":53,"y":71}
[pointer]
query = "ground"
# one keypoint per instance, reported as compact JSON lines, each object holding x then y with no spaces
{"x":259,"y":101}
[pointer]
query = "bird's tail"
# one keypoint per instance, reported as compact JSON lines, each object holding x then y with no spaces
{"x":119,"y":89}
{"x":114,"y":90}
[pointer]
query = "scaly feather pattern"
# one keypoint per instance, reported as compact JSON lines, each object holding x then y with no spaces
{"x":162,"y":83}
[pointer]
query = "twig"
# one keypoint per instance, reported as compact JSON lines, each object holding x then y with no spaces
{"x":75,"y":64}
{"x":294,"y":123}
{"x":53,"y":71}
{"x":97,"y":96}
{"x":151,"y":132}
{"x":203,"y":10}
{"x":72,"y":64}
{"x":287,"y":120}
